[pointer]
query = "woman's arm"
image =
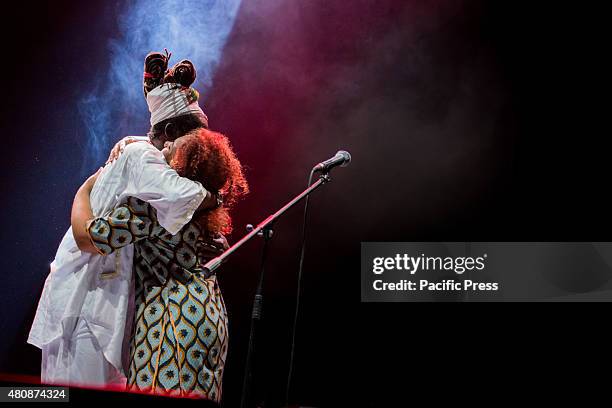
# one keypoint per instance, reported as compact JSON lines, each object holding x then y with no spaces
{"x":82,"y":214}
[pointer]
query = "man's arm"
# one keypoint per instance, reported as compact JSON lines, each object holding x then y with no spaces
{"x":210,"y":201}
{"x":82,"y":214}
{"x":175,"y":198}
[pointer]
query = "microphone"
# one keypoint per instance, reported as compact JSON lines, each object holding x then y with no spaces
{"x":342,"y":159}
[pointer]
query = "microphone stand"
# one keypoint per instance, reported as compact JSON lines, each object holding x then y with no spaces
{"x":264,"y":229}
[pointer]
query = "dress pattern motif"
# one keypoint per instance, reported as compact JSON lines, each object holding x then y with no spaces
{"x":179,"y":344}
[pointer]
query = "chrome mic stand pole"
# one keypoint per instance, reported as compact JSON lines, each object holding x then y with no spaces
{"x":214,"y":263}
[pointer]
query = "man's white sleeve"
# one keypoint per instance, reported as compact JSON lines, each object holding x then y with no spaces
{"x":174,"y":197}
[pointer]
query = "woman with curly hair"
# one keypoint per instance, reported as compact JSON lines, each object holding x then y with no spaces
{"x":179,"y":341}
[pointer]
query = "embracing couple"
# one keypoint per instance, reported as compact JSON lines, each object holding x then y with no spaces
{"x":127,"y":300}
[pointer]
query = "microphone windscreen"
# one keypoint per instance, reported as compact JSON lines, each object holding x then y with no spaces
{"x":347,"y":157}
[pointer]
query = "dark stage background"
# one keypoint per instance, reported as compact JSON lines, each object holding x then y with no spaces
{"x":467,"y":120}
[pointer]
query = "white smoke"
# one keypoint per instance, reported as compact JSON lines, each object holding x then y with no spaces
{"x":189,"y":29}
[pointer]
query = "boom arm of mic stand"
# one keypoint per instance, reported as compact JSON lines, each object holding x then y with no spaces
{"x":214,"y":263}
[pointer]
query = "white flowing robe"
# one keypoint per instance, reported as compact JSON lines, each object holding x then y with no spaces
{"x":99,"y":289}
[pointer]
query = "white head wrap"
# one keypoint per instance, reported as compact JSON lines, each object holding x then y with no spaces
{"x":172,"y":100}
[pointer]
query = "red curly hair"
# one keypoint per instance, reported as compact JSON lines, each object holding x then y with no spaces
{"x":207,"y":157}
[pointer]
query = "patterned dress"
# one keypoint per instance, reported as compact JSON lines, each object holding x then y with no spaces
{"x":179,"y":343}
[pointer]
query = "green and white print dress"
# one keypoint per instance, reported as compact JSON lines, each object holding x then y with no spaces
{"x":179,"y":342}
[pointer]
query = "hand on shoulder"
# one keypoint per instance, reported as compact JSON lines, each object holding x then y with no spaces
{"x":121,"y":146}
